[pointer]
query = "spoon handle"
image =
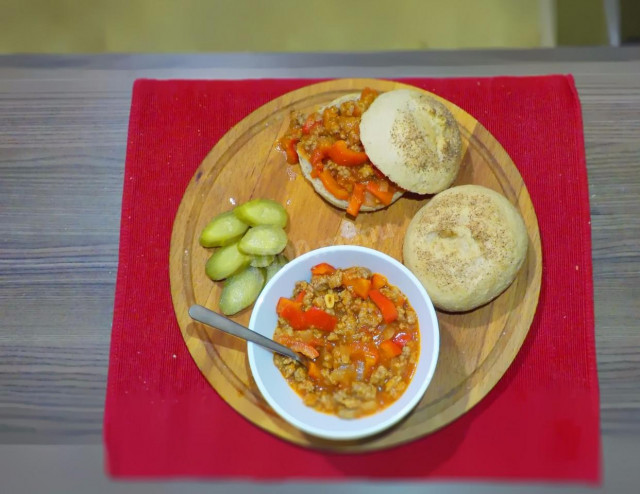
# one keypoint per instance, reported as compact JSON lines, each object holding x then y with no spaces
{"x":206,"y":316}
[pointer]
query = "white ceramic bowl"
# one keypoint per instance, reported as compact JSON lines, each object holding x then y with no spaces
{"x":275,"y":389}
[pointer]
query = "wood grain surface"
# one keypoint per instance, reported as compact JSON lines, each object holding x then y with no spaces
{"x":63,"y":135}
{"x":476,"y":347}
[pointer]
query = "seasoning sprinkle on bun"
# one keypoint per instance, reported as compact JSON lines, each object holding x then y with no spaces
{"x":413,"y":139}
{"x":466,"y":246}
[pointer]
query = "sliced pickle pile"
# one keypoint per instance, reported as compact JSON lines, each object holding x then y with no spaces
{"x":249,"y":241}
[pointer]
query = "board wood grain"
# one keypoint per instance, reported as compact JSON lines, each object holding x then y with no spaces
{"x":476,"y":347}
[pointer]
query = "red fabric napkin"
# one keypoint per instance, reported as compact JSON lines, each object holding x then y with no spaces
{"x":541,"y":422}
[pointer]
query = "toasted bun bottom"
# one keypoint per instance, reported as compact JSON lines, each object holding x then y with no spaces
{"x":465,"y":246}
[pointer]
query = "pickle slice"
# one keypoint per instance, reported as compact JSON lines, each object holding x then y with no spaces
{"x":262,"y":261}
{"x":224,"y":229}
{"x":226,"y":261}
{"x":263,"y":240}
{"x":262,"y":212}
{"x":275,"y":266}
{"x":241,"y":290}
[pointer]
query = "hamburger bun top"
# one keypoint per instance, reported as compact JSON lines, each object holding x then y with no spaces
{"x":465,"y":246}
{"x":413,"y":139}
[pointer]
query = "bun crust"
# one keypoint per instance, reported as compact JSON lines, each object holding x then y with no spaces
{"x":465,"y":246}
{"x":413,"y":139}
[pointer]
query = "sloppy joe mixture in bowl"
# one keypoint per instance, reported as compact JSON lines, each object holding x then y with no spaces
{"x":370,"y":335}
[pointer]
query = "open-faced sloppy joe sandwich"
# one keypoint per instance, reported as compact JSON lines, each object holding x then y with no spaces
{"x":364,"y":150}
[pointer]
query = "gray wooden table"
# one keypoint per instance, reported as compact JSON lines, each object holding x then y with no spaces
{"x":63,"y":134}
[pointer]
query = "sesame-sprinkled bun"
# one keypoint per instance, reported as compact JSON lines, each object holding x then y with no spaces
{"x":466,"y":246}
{"x":413,"y":139}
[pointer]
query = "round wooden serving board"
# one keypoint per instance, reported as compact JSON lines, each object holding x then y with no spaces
{"x":476,"y":347}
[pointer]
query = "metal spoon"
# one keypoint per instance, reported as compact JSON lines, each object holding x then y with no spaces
{"x":210,"y":318}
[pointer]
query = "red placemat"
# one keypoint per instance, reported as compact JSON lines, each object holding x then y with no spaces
{"x":541,"y":422}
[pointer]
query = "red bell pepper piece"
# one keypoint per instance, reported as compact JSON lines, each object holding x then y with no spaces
{"x":332,"y":186}
{"x":378,"y":281}
{"x":314,"y":371}
{"x":318,"y":155}
{"x":289,"y":146}
{"x":322,"y":268}
{"x":283,"y":303}
{"x":319,"y":319}
{"x":383,"y":193}
{"x":386,"y":306}
{"x":356,"y":200}
{"x":390,"y":349}
{"x":401,"y":338}
{"x":342,"y":155}
{"x":315,"y":171}
{"x":304,"y":348}
{"x":360,"y":286}
{"x":291,"y":311}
